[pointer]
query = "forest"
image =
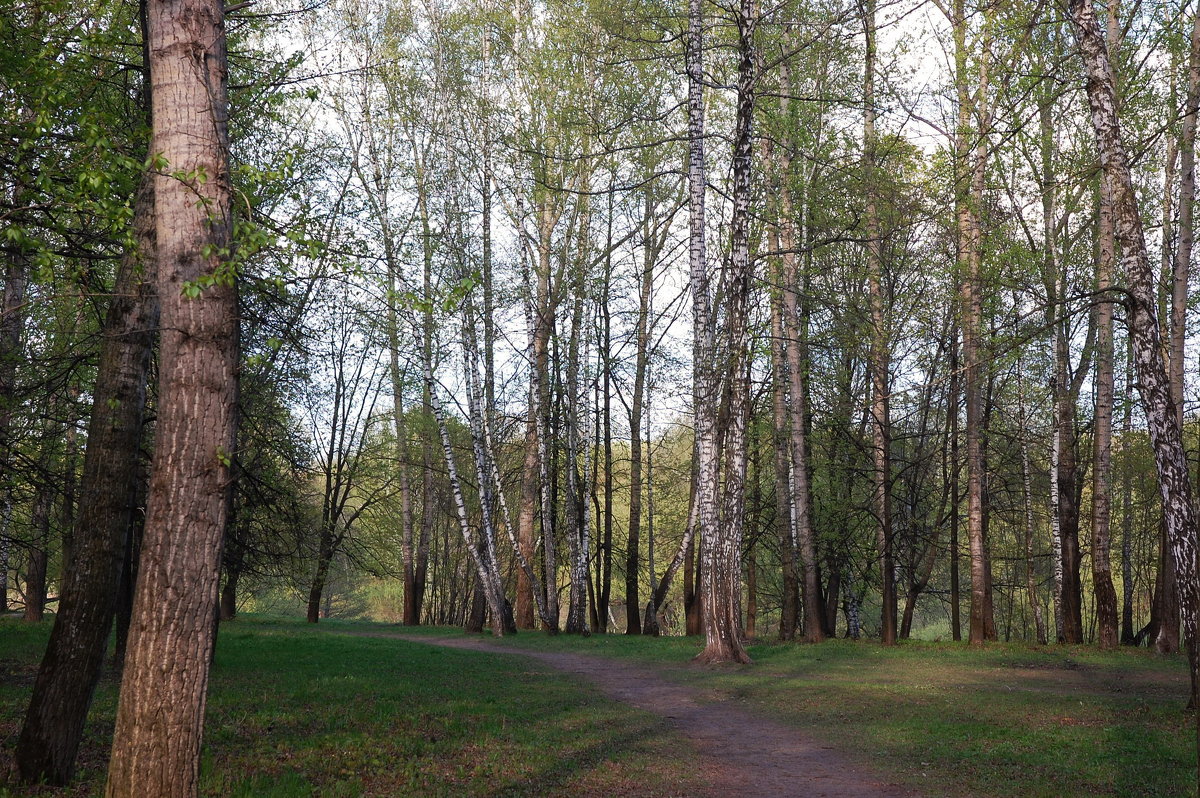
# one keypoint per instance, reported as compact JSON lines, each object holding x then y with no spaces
{"x":798,"y":321}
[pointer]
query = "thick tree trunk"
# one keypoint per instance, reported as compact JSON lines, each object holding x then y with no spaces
{"x":160,"y":716}
{"x":1167,"y":639}
{"x":721,"y":639}
{"x":1162,"y":417}
{"x":705,"y":395}
{"x":722,"y":530}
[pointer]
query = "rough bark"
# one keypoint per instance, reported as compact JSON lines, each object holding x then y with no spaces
{"x":1102,"y":584}
{"x":1168,"y":630}
{"x":1153,"y":380}
{"x":160,"y":715}
{"x":722,"y":547}
{"x":1128,"y":632}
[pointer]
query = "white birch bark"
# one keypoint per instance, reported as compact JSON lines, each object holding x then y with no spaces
{"x":1153,"y":380}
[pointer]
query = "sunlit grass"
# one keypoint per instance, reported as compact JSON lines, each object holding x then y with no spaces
{"x":296,"y":710}
{"x":952,"y":719}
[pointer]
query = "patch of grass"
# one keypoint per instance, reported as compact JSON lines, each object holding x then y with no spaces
{"x":297,"y":710}
{"x":952,"y":719}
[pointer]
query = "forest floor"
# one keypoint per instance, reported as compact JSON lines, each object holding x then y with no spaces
{"x":746,"y":754}
{"x":939,"y":719}
{"x":299,"y":711}
{"x":350,"y":709}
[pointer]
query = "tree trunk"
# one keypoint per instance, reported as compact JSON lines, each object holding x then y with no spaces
{"x":646,"y":287}
{"x":1105,"y":593}
{"x":12,"y":325}
{"x":35,"y":572}
{"x":1128,"y":632}
{"x":485,"y":568}
{"x":879,"y":358}
{"x":790,"y":607}
{"x":952,"y":410}
{"x":576,"y":491}
{"x":531,"y":465}
{"x":160,"y":716}
{"x":797,"y":387}
{"x":722,"y":528}
{"x":1035,"y":606}
{"x":969,"y":261}
{"x":1153,"y":381}
{"x":1168,"y":630}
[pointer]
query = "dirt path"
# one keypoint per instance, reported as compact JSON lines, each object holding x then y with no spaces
{"x":752,"y":757}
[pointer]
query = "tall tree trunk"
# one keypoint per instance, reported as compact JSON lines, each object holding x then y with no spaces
{"x":12,"y":325}
{"x":952,"y":410}
{"x":795,"y":335}
{"x":1153,"y":380}
{"x":705,"y":386}
{"x":160,"y":716}
{"x":879,"y":359}
{"x":1167,"y":639}
{"x":604,"y":551}
{"x":1102,"y":584}
{"x":1035,"y":606}
{"x":316,"y":589}
{"x":485,"y":568}
{"x":722,"y":530}
{"x":577,"y":447}
{"x":531,"y":467}
{"x":1128,"y":632}
{"x":790,"y":607}
{"x":972,"y":161}
{"x":35,"y":572}
{"x":646,"y":287}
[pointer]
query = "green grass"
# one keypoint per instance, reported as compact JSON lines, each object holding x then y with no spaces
{"x":950,"y":719}
{"x":299,"y":711}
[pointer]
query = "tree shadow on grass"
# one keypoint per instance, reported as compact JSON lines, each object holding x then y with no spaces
{"x":609,"y":767}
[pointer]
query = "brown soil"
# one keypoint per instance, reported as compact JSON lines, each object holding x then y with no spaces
{"x":751,"y":757}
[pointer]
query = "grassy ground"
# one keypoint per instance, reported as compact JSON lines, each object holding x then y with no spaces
{"x":299,"y":711}
{"x":948,"y":719}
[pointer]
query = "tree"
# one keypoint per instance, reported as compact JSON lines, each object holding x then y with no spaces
{"x":71,"y":666}
{"x":722,"y":520}
{"x":156,"y":744}
{"x":1141,"y":312}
